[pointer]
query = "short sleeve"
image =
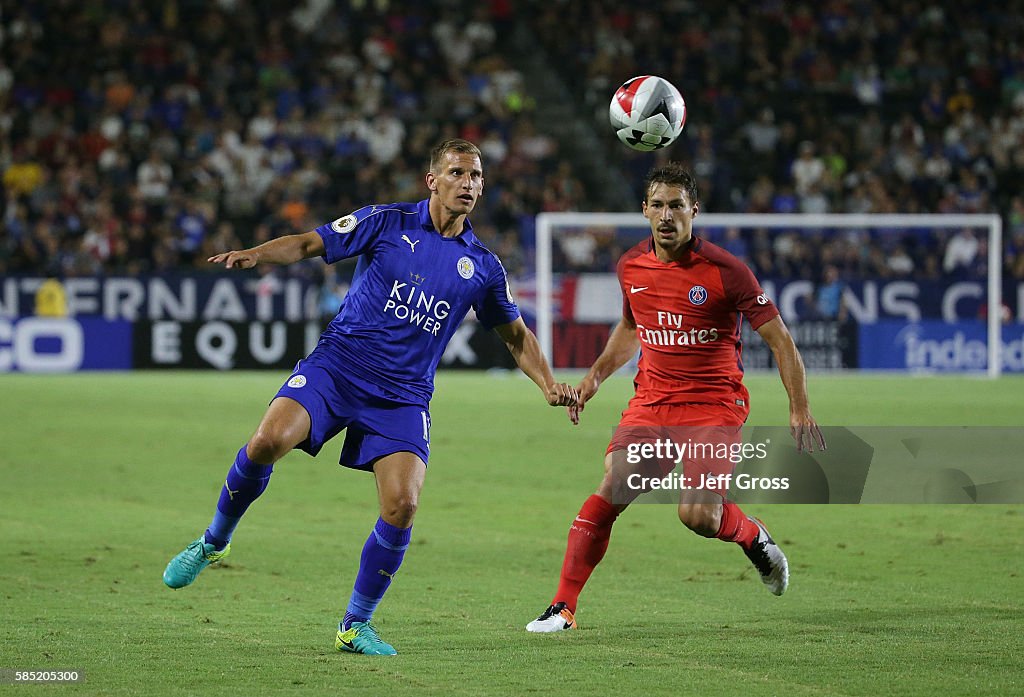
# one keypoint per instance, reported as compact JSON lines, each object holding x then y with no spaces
{"x":352,"y":235}
{"x":747,"y":294}
{"x":495,"y":306}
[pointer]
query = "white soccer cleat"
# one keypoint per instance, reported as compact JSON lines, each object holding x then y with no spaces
{"x":556,"y":618}
{"x":769,"y":560}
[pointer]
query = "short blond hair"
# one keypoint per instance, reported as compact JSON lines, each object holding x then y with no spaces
{"x":452,"y":145}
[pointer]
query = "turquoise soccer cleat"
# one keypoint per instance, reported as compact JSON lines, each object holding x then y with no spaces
{"x":362,"y":637}
{"x":183,"y":569}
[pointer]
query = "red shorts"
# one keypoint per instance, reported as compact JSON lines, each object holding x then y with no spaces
{"x":691,"y":414}
{"x":701,"y":440}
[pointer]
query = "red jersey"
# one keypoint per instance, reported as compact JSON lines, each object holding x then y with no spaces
{"x":688,"y":319}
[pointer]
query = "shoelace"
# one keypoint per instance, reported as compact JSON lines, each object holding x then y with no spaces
{"x":371,"y":632}
{"x":549,"y":613}
{"x":194,"y":560}
{"x":759,"y":555}
{"x":191,"y":560}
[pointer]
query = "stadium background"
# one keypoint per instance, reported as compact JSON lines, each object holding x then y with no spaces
{"x":137,"y":138}
{"x":140,"y":138}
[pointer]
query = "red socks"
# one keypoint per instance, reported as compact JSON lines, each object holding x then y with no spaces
{"x":590,"y":532}
{"x":588,"y":540}
{"x":736,"y":526}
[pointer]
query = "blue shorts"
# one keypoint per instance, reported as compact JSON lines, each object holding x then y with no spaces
{"x":376,"y":426}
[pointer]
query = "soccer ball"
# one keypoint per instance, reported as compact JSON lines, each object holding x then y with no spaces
{"x":647,"y":112}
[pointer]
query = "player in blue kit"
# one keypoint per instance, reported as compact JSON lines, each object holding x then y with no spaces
{"x":372,"y":372}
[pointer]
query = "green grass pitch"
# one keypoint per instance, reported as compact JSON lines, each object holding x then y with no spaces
{"x":105,"y":477}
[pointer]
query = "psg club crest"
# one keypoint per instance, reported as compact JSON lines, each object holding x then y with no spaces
{"x":698,"y":295}
{"x":465,"y":267}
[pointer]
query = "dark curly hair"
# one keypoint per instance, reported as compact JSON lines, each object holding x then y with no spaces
{"x":675,"y":174}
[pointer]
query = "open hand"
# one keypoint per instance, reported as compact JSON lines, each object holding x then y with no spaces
{"x":806,"y":432}
{"x":243,"y":259}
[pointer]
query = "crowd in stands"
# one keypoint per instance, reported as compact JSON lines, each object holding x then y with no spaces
{"x":920,"y":254}
{"x":844,"y":106}
{"x":141,"y":137}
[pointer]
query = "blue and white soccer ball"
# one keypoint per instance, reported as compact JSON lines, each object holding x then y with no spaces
{"x":647,"y":112}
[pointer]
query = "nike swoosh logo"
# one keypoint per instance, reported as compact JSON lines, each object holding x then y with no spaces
{"x":344,"y":641}
{"x":584,"y":520}
{"x":634,"y":289}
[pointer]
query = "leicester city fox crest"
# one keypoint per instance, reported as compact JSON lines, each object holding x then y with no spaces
{"x":466,"y":267}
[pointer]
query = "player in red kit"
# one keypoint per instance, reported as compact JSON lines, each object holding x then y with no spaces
{"x":682,"y":298}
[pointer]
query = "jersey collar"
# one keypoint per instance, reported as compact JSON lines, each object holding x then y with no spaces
{"x":423,"y":210}
{"x":692,"y":246}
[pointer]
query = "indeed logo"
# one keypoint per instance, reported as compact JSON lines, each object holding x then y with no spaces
{"x":671,"y":332}
{"x":407,"y":302}
{"x":959,"y":353}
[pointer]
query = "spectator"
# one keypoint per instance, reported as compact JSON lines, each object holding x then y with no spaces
{"x":762,"y":135}
{"x":192,"y":224}
{"x":25,"y":173}
{"x":154,"y":177}
{"x":933,"y":105}
{"x":961,"y":251}
{"x":580,"y":249}
{"x":808,"y":170}
{"x":829,"y":295}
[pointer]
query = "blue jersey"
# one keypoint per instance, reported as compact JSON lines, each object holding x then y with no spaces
{"x":411,"y":291}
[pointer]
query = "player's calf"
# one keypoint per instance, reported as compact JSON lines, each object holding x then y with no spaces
{"x":701,"y":512}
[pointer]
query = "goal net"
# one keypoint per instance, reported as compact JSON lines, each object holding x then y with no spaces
{"x":919,"y":293}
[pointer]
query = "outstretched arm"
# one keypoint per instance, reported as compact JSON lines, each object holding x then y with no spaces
{"x":524,"y":347}
{"x":622,"y":345}
{"x":791,"y":369}
{"x":282,"y":250}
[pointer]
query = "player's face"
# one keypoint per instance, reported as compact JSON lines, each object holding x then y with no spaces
{"x":670,"y":212}
{"x":458,"y":182}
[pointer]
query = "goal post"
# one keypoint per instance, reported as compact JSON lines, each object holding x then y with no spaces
{"x":547,"y":225}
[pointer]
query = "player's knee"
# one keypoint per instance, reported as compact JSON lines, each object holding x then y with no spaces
{"x":704,"y":519}
{"x":615,"y":486}
{"x":400,"y":510}
{"x":606,"y":489}
{"x":267,"y":447}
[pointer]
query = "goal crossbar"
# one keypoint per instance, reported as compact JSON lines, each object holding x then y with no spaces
{"x":547,"y":222}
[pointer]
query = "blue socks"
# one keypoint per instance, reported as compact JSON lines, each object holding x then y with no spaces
{"x":379,"y":562}
{"x":246,"y":480}
{"x":382,"y":555}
